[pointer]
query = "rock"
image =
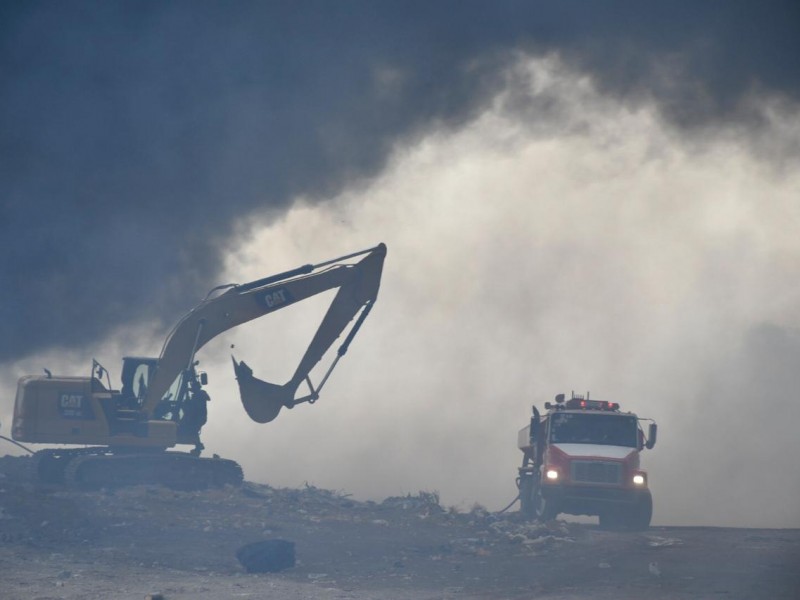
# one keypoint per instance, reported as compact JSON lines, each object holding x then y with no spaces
{"x":267,"y":556}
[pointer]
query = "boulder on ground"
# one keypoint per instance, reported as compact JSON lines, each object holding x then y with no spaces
{"x":267,"y":556}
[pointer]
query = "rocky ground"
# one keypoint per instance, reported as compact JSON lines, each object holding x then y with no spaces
{"x":140,"y":541}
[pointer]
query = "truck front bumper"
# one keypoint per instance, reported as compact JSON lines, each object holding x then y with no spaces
{"x":591,"y":500}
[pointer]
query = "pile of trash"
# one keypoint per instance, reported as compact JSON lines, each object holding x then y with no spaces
{"x":424,"y":504}
{"x":533,"y":535}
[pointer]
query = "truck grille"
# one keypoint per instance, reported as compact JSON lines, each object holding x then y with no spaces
{"x":595,"y":471}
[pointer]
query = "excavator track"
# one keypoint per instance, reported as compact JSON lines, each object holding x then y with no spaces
{"x":48,"y":466}
{"x":94,"y":468}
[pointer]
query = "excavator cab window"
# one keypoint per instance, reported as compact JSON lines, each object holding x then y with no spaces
{"x":136,"y":375}
{"x":168,"y":408}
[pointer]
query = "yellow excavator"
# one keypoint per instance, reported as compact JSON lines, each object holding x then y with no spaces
{"x":124,"y":433}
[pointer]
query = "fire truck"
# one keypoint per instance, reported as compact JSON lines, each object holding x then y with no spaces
{"x":582,"y":458}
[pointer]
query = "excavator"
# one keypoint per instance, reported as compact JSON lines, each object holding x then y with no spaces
{"x":125,"y":434}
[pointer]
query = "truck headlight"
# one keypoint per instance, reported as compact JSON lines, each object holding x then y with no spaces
{"x":639,"y":479}
{"x":551,"y":474}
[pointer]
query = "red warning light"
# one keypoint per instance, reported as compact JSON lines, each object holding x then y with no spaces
{"x":581,"y":403}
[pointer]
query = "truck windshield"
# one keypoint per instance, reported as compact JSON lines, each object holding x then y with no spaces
{"x":604,"y":429}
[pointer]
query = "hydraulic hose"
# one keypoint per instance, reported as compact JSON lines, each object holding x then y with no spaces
{"x":500,"y":512}
{"x":16,"y":443}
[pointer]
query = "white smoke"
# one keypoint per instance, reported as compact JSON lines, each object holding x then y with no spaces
{"x":559,"y":241}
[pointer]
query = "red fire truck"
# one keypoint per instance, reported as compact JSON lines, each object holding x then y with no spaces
{"x":582,"y":458}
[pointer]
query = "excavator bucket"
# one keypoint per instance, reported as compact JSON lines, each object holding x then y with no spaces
{"x":358,"y":289}
{"x":262,"y":401}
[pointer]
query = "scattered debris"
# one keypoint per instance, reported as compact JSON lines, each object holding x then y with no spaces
{"x":533,"y":533}
{"x":662,"y":542}
{"x":184,"y":543}
{"x":423,"y":500}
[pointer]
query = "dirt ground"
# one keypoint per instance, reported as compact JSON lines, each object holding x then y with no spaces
{"x":134,"y":542}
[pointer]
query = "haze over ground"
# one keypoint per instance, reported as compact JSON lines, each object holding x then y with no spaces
{"x":603,"y":202}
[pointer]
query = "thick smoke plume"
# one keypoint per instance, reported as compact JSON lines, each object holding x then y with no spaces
{"x":617,"y":258}
{"x":134,"y":137}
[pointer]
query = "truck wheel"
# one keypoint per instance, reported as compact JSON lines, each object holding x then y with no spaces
{"x":544,"y":509}
{"x":638,"y":519}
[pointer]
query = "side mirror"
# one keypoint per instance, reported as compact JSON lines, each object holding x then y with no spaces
{"x":204,"y":378}
{"x":548,"y":406}
{"x":560,"y":398}
{"x":534,"y":429}
{"x":651,"y":436}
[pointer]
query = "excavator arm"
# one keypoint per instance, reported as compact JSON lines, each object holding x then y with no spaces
{"x":358,"y":288}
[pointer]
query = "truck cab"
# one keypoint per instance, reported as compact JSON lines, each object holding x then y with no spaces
{"x":582,"y":457}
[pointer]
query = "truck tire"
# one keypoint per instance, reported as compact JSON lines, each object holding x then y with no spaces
{"x":544,"y":509}
{"x":635,"y":517}
{"x":638,"y":519}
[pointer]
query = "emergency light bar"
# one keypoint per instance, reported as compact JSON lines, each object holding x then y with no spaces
{"x":580,"y":403}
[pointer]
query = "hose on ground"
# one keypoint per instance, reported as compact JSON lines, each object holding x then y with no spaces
{"x":500,"y":512}
{"x":16,"y":443}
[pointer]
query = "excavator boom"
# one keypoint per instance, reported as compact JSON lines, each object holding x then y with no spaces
{"x":357,"y":285}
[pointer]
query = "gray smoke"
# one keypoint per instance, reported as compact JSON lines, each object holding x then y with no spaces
{"x":137,"y":138}
{"x":590,"y":247}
